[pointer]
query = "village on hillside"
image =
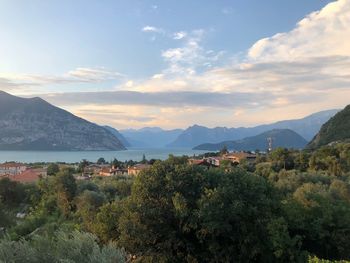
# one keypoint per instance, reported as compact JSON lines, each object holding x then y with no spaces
{"x":28,"y":173}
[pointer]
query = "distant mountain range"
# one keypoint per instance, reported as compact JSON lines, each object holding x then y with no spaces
{"x":195,"y":135}
{"x":153,"y":137}
{"x":280,"y":138}
{"x":337,"y":129}
{"x":117,"y":134}
{"x":34,"y":124}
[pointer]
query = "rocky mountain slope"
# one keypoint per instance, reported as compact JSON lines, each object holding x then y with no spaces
{"x":280,"y":138}
{"x":335,"y":130}
{"x":34,"y":124}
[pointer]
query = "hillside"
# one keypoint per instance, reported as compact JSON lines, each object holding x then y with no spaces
{"x":336,"y":129}
{"x":307,"y":127}
{"x":281,"y":138}
{"x":34,"y":124}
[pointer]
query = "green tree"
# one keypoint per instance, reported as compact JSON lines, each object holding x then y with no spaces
{"x":11,"y":193}
{"x":101,"y":160}
{"x":181,"y":213}
{"x":63,"y":247}
{"x":66,"y":189}
{"x":87,"y":205}
{"x":106,"y":222}
{"x":53,"y":169}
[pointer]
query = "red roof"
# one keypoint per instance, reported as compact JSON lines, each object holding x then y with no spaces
{"x":28,"y":176}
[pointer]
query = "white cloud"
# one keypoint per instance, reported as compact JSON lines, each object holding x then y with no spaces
{"x":94,"y":75}
{"x":322,"y":33}
{"x":179,"y":35}
{"x":24,"y":83}
{"x":152,"y":29}
{"x":191,"y":57}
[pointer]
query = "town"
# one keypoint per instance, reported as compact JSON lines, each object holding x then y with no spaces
{"x":30,"y":173}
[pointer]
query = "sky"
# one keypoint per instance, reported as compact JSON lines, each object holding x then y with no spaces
{"x":172,"y":64}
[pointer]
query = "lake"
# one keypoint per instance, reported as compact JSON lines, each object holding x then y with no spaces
{"x":72,"y":156}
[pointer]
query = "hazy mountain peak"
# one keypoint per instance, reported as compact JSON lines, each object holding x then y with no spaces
{"x":280,"y":138}
{"x":34,"y":124}
{"x":307,"y":127}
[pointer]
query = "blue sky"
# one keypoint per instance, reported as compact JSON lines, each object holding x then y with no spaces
{"x":154,"y":49}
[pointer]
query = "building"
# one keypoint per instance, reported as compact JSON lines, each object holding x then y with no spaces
{"x":109,"y":171}
{"x":136,"y":169}
{"x":237,"y":157}
{"x":95,"y":169}
{"x":214,"y":161}
{"x":12,"y":168}
{"x":28,"y":176}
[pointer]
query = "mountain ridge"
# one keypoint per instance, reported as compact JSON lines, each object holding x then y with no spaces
{"x":35,"y":124}
{"x":150,"y":136}
{"x":281,"y":138}
{"x":195,"y":135}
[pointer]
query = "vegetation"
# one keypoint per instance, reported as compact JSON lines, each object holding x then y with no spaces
{"x":288,"y":206}
{"x":336,"y":129}
{"x":61,"y":247}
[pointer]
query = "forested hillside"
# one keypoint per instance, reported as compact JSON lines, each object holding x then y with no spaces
{"x":336,"y":129}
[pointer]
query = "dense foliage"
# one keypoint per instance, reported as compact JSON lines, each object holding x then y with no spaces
{"x":288,"y":206}
{"x":336,"y":129}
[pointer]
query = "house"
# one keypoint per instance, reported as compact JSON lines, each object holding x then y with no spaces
{"x":28,"y":176}
{"x":12,"y":168}
{"x":200,"y":162}
{"x":94,"y":169}
{"x":237,"y":157}
{"x":136,"y":169}
{"x":214,"y":161}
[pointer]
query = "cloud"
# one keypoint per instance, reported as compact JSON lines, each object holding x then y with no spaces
{"x":227,"y":10}
{"x":23,"y":83}
{"x":191,"y":57}
{"x":94,"y":75}
{"x":322,"y":33}
{"x":152,"y":29}
{"x":162,"y":99}
{"x":179,"y":35}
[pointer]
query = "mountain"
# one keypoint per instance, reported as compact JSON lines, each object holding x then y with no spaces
{"x":117,"y":134}
{"x":34,"y":124}
{"x":280,"y":138}
{"x":306,"y":127}
{"x":154,"y":137}
{"x":336,"y":129}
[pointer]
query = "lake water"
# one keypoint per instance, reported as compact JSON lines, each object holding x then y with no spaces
{"x":72,"y":157}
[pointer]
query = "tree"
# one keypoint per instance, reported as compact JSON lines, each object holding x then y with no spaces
{"x":182,"y":213}
{"x":144,"y":160}
{"x":281,"y":158}
{"x":66,"y":189}
{"x":82,"y":165}
{"x":224,"y":150}
{"x":11,"y":193}
{"x":53,"y":169}
{"x":101,"y":160}
{"x":106,"y":222}
{"x":5,"y":218}
{"x":87,"y":205}
{"x":63,"y":247}
{"x":157,"y":217}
